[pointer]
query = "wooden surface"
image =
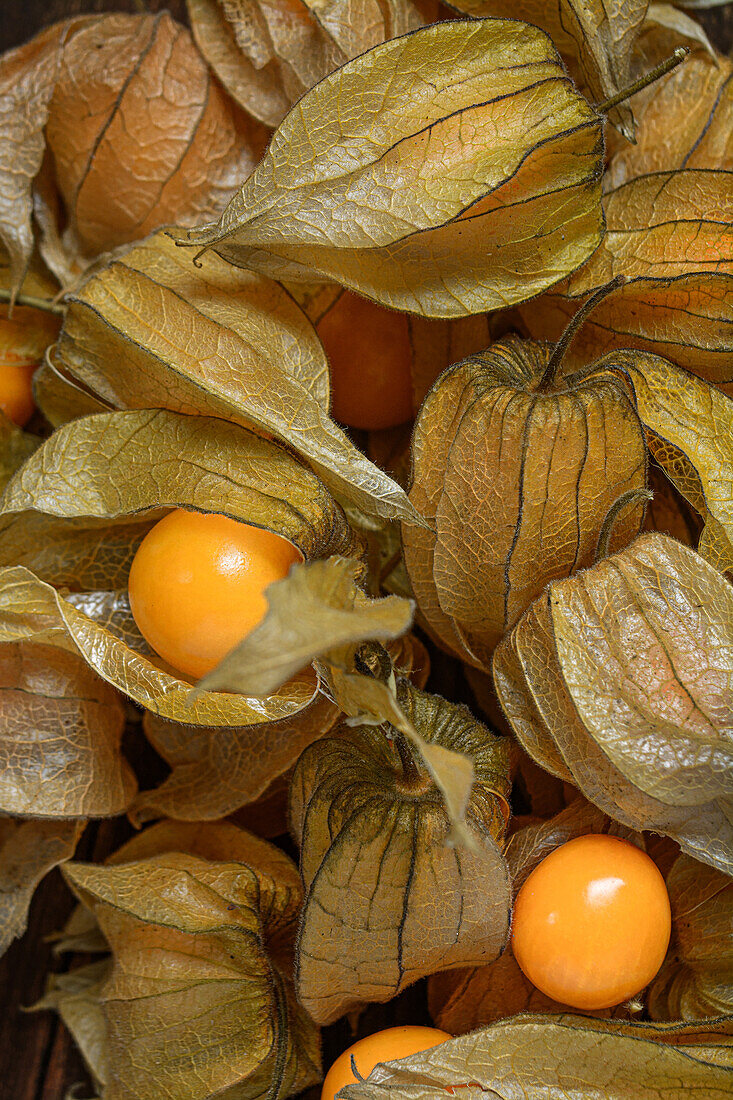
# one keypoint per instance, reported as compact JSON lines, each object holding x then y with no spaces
{"x":38,"y":1060}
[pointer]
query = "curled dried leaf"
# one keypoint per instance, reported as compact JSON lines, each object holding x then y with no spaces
{"x":518,"y":479}
{"x":374,"y":855}
{"x":103,"y":92}
{"x":595,"y":37}
{"x":151,"y":330}
{"x":60,"y":733}
{"x":649,"y":630}
{"x":696,"y":979}
{"x":73,"y":517}
{"x":200,"y":920}
{"x":318,"y":608}
{"x":28,"y":851}
{"x":267,"y":54}
{"x":446,"y":172}
{"x":669,"y":234}
{"x":578,"y":1055}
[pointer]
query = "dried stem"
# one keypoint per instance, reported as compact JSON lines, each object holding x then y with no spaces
{"x":604,"y":539}
{"x":658,"y":71}
{"x":48,"y":305}
{"x":411,"y":775}
{"x":552,"y":369}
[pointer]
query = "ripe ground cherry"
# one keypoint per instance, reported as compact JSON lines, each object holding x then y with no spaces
{"x":591,"y":924}
{"x":384,"y":1046}
{"x":196,"y":585}
{"x":370,"y":356}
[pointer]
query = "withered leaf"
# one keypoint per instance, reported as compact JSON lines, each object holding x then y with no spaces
{"x":73,"y":517}
{"x":449,"y":171}
{"x":618,"y":679}
{"x":151,"y":330}
{"x":75,"y":996}
{"x":576,"y":1055}
{"x":518,"y":481}
{"x":669,"y":234}
{"x":317,"y":608}
{"x":698,"y":96}
{"x":215,"y":771}
{"x":267,"y":54}
{"x":689,"y":430}
{"x":28,"y":851}
{"x":200,"y":921}
{"x":60,"y":732}
{"x":138,"y":132}
{"x":597,"y":39}
{"x":388,"y":900}
{"x":696,"y":979}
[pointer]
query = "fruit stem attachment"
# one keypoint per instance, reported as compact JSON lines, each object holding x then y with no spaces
{"x":553,"y":367}
{"x":633,"y":496}
{"x":644,"y":81}
{"x":372,"y":659}
{"x":48,"y":305}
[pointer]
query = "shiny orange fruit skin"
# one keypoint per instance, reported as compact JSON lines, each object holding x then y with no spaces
{"x":384,"y":1046}
{"x":197,"y":586}
{"x":591,"y":924}
{"x":370,"y":356}
{"x":16,"y":391}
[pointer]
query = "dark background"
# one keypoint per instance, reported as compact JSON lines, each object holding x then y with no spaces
{"x":38,"y":1060}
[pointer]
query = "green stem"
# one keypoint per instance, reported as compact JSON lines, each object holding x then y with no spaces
{"x":658,"y":71}
{"x":552,"y":369}
{"x":604,"y":539}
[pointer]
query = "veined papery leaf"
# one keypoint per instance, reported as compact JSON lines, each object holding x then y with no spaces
{"x":60,"y":732}
{"x":449,"y":171}
{"x":580,"y":1055}
{"x":669,"y":234}
{"x":388,"y":901}
{"x":29,"y":849}
{"x":267,"y":54}
{"x":200,"y":921}
{"x":696,"y":979}
{"x":75,"y":996}
{"x":129,"y":151}
{"x":648,"y":630}
{"x":685,"y":121}
{"x":151,"y":330}
{"x":72,"y":519}
{"x":518,"y":478}
{"x":689,"y":429}
{"x":595,"y":37}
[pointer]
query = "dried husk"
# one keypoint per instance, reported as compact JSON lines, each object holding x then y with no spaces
{"x":669,"y":234}
{"x":550,"y":1055}
{"x":150,"y":330}
{"x":267,"y":54}
{"x":60,"y":733}
{"x":449,"y":171}
{"x":29,"y":849}
{"x":138,"y":131}
{"x":595,"y":38}
{"x":696,"y":979}
{"x":198,"y":998}
{"x":374,"y":856}
{"x":619,"y":681}
{"x":518,"y":483}
{"x":72,"y":519}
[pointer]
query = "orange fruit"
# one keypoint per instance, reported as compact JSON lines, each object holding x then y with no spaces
{"x":197,"y":586}
{"x":591,"y":924}
{"x":384,"y":1046}
{"x":370,"y":357}
{"x":16,"y":391}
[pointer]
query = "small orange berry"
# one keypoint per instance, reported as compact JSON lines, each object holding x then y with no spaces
{"x":591,"y":924}
{"x":197,"y":586}
{"x":384,"y":1046}
{"x":370,"y":356}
